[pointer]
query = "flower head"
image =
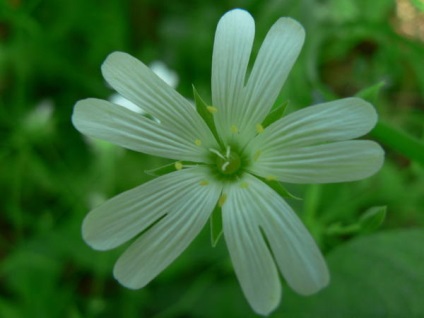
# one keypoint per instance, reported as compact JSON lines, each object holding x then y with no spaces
{"x":227,"y":154}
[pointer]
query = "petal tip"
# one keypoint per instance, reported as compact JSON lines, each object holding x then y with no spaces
{"x":90,"y":237}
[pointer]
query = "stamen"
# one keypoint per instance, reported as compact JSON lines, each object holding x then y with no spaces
{"x":198,"y":142}
{"x":178,"y":165}
{"x":227,"y":154}
{"x":234,"y":129}
{"x":228,"y":162}
{"x":216,"y":152}
{"x":204,"y":182}
{"x":212,"y":109}
{"x":225,"y":165}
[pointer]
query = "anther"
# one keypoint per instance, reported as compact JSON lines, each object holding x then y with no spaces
{"x":257,"y":155}
{"x":259,"y":128}
{"x":244,"y":185}
{"x":271,"y":178}
{"x":212,"y":109}
{"x":234,"y":129}
{"x":222,"y":200}
{"x":178,"y":165}
{"x":198,"y":142}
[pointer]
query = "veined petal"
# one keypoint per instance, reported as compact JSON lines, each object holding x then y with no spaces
{"x":121,"y":218}
{"x":136,"y":82}
{"x":104,"y":120}
{"x":231,"y":52}
{"x":251,"y":258}
{"x":334,"y":162}
{"x":298,"y":257}
{"x":334,"y":121}
{"x":275,"y":60}
{"x":186,"y":215}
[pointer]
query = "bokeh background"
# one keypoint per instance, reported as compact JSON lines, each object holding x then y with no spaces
{"x":51,"y":176}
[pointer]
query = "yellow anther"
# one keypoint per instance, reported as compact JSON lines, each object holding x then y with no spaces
{"x":198,"y":142}
{"x":222,"y":200}
{"x":257,"y":155}
{"x":259,"y":128}
{"x":212,"y":109}
{"x":244,"y":185}
{"x":271,"y":178}
{"x":234,"y":129}
{"x":204,"y":182}
{"x":178,"y":165}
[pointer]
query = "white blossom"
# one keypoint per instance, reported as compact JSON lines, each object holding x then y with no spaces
{"x":228,"y":163}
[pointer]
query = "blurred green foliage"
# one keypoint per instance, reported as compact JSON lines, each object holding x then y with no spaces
{"x":50,"y":175}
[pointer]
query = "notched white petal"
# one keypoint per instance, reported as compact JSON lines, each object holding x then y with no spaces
{"x":129,"y":213}
{"x":186,"y":215}
{"x":297,"y":255}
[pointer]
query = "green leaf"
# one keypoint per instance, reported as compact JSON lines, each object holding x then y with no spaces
{"x":370,"y":94}
{"x":399,"y":141}
{"x":202,"y":109}
{"x":216,"y":225}
{"x":372,"y":219}
{"x":275,"y":115}
{"x":378,"y":275}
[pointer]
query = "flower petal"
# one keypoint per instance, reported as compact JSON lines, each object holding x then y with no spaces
{"x":231,"y":52}
{"x":335,"y":162}
{"x":129,"y":213}
{"x":136,"y":82}
{"x":251,"y":258}
{"x":187,"y":213}
{"x":275,"y":60}
{"x":101,"y":119}
{"x":294,"y":249}
{"x":334,"y":121}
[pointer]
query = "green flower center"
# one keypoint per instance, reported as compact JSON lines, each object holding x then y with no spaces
{"x":228,"y":162}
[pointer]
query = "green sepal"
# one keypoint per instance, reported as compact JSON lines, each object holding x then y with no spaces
{"x":215,"y":222}
{"x":157,"y":172}
{"x":275,"y":114}
{"x":372,"y":219}
{"x":370,"y":94}
{"x":278,"y":187}
{"x":202,"y":109}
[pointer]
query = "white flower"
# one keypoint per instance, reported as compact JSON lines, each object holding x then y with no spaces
{"x":231,"y":158}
